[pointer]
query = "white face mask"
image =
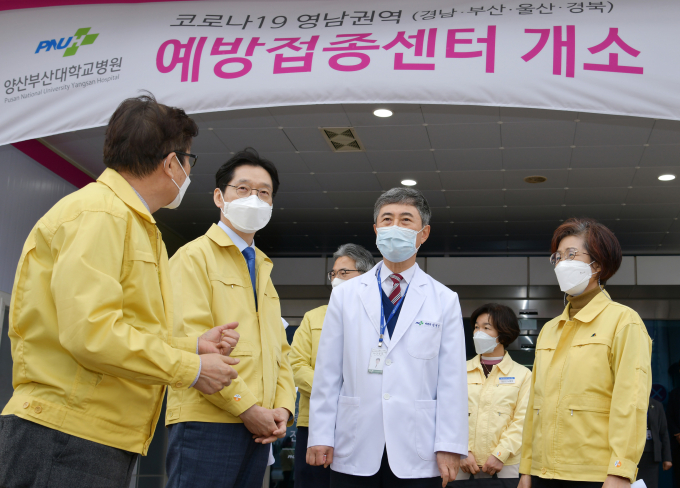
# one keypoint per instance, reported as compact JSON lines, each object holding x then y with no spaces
{"x":397,"y":244}
{"x":484,"y":342}
{"x":182,"y":189}
{"x":573,"y":276}
{"x":248,"y":214}
{"x":337,"y":282}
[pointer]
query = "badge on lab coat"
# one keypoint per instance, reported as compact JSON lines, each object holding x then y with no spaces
{"x":377,"y":360}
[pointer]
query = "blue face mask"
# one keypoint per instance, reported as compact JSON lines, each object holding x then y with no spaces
{"x":397,"y":244}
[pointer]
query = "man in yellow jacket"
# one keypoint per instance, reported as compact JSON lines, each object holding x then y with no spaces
{"x":91,"y":316}
{"x":221,"y":440}
{"x":351,"y":260}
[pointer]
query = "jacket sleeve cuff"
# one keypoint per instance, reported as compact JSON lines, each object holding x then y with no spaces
{"x":189,"y":367}
{"x":624,"y":468}
{"x":237,"y":402}
{"x":525,"y":466}
{"x":454,"y":448}
{"x":188,"y":344}
{"x":284,"y":400}
{"x":501,"y":454}
{"x":320,"y":441}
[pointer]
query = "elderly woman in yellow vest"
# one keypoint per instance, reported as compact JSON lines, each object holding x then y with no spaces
{"x":351,"y":260}
{"x":587,"y":414}
{"x":498,"y":391}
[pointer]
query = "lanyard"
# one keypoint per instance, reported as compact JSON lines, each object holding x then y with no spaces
{"x":383,"y":322}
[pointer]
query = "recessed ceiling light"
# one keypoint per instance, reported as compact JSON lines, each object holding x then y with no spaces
{"x":408,"y":182}
{"x":382,"y":112}
{"x":535,"y":179}
{"x":667,"y":177}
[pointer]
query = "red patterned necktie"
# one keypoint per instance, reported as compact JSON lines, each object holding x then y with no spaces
{"x":395,"y":294}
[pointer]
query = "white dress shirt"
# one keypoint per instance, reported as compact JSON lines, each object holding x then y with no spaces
{"x":388,"y":284}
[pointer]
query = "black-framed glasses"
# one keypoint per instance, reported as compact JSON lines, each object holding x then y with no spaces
{"x":569,"y":255}
{"x":193,"y":158}
{"x":244,"y":191}
{"x":342,"y":274}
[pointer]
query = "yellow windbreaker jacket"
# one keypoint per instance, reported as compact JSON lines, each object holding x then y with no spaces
{"x":212,"y":287}
{"x":91,"y":320}
{"x":303,"y":358}
{"x":497,"y":406}
{"x":587,"y":412}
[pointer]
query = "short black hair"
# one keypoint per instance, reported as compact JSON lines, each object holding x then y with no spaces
{"x":247,"y":157}
{"x":141,"y":132}
{"x":502,"y":318}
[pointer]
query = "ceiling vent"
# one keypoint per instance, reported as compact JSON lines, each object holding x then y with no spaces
{"x":342,"y":139}
{"x":535,"y":179}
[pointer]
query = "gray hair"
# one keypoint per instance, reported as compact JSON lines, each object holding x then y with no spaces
{"x":363,"y":259}
{"x":404,"y":196}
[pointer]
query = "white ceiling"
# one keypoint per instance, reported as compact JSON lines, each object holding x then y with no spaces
{"x":469,"y":161}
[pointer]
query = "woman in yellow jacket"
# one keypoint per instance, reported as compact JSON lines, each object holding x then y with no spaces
{"x":351,"y":260}
{"x":498,"y":391}
{"x":587,"y":412}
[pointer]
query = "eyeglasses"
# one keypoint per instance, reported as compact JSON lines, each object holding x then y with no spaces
{"x":193,"y":157}
{"x":569,"y":255}
{"x":244,"y":191}
{"x":342,"y":274}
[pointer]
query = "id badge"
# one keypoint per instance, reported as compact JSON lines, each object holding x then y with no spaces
{"x":649,"y":435}
{"x":377,"y":360}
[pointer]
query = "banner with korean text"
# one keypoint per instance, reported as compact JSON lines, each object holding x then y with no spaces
{"x":67,"y":68}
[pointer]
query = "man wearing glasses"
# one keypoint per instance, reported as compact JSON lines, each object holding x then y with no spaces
{"x":221,"y":439}
{"x":91,"y":316}
{"x":351,"y":260}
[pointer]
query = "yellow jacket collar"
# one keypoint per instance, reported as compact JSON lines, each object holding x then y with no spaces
{"x":505,"y":365}
{"x":222,"y":239}
{"x":124,"y":191}
{"x":590,"y":311}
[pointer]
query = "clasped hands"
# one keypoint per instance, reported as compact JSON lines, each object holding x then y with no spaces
{"x":266,"y":424}
{"x":216,"y":366}
{"x":492,"y":465}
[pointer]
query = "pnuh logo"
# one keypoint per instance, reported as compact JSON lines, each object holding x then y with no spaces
{"x":70,"y":46}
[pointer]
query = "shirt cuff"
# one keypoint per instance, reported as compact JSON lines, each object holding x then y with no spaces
{"x":501,"y":454}
{"x":624,"y":468}
{"x":200,"y":365}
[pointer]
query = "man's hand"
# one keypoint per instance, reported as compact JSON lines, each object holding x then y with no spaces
{"x":492,"y":465}
{"x":448,"y":463}
{"x":616,"y":482}
{"x":259,"y":421}
{"x":667,"y":465}
{"x":219,"y":340}
{"x":320,"y":456}
{"x":281,"y":416}
{"x":677,"y":437}
{"x":216,"y":373}
{"x":524,"y":481}
{"x":469,"y":465}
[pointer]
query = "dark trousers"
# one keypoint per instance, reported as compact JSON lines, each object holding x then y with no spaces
{"x":537,"y":482}
{"x":35,"y":456}
{"x":214,"y":455}
{"x":648,"y":470}
{"x":384,"y":478}
{"x":675,"y":453}
{"x":307,"y":476}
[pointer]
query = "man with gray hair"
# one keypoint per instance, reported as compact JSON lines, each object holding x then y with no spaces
{"x":350,"y":261}
{"x":389,"y":404}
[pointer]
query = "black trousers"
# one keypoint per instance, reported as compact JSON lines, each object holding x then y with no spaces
{"x":39,"y":457}
{"x":537,"y":482}
{"x":307,"y":476}
{"x":648,"y":470}
{"x":675,"y":453}
{"x":384,"y":478}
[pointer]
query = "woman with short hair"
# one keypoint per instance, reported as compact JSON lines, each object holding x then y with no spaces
{"x":587,"y":412}
{"x":498,"y":391}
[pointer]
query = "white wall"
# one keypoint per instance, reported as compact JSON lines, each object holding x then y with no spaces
{"x":27,"y":191}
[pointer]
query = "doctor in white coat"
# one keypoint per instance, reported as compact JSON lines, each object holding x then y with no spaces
{"x":389,"y":401}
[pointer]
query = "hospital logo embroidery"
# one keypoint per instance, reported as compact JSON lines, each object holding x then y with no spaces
{"x":237,"y":398}
{"x":423,"y":323}
{"x":617,"y":464}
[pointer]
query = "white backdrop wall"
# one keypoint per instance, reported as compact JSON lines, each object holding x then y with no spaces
{"x":27,"y":191}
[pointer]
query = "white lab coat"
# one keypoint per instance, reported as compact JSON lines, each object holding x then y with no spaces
{"x":418,"y":406}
